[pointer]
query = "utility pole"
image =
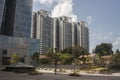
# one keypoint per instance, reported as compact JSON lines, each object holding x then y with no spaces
{"x":55,"y":60}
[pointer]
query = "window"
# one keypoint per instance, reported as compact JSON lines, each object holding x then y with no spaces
{"x":4,"y":52}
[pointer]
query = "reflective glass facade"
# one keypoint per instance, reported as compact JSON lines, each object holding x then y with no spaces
{"x":2,"y":3}
{"x":17,"y":18}
{"x":23,"y":47}
{"x":22,"y":22}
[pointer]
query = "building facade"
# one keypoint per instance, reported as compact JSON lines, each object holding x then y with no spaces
{"x":56,"y":33}
{"x":68,"y":33}
{"x":84,"y":36}
{"x":42,"y":29}
{"x":81,"y":34}
{"x":15,"y":30}
{"x":34,"y":26}
{"x":2,"y":3}
{"x":16,"y":18}
{"x":74,"y":34}
{"x":23,"y":47}
{"x":62,"y":33}
{"x":59,"y":32}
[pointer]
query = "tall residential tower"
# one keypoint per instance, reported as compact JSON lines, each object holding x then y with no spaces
{"x":83,"y":35}
{"x":42,"y":29}
{"x":59,"y":32}
{"x":63,"y":30}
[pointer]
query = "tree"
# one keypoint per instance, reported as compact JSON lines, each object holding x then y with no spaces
{"x":36,"y":57}
{"x":117,"y":51}
{"x":50,"y":55}
{"x":14,"y":58}
{"x":67,"y":50}
{"x":66,"y":58}
{"x":97,"y":60}
{"x":116,"y":59}
{"x":104,"y":49}
{"x":77,"y":51}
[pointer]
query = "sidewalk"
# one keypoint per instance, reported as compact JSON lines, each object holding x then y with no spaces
{"x":81,"y":72}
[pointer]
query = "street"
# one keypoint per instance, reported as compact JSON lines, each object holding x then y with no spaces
{"x":51,"y":76}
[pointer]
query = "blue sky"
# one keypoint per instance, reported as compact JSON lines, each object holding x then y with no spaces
{"x":103,"y":17}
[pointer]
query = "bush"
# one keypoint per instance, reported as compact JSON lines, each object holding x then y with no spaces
{"x":61,"y":70}
{"x":74,"y":74}
{"x":35,"y":73}
{"x":100,"y":70}
{"x":115,"y":67}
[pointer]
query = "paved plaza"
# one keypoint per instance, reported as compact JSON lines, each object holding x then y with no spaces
{"x":51,"y":76}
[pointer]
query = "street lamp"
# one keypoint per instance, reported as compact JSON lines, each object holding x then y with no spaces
{"x":55,"y":60}
{"x":74,"y":61}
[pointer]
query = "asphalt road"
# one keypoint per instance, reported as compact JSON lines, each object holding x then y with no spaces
{"x":49,"y":76}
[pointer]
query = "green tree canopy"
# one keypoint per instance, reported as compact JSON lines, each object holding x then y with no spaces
{"x":50,"y":54}
{"x":67,"y":50}
{"x":66,"y":58}
{"x":77,"y":51}
{"x":14,"y":58}
{"x":116,"y":59}
{"x":53,"y":56}
{"x":104,"y":49}
{"x":117,"y":51}
{"x":36,"y":56}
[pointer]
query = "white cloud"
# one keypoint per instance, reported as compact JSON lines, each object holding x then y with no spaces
{"x":61,"y":8}
{"x":64,"y":8}
{"x":117,"y":41}
{"x":46,"y":2}
{"x":96,"y":39}
{"x":89,"y":20}
{"x":103,"y":37}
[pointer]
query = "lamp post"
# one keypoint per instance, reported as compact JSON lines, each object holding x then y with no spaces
{"x":55,"y":60}
{"x":73,"y":60}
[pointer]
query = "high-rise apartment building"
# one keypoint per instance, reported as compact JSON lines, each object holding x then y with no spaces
{"x":84,"y":35}
{"x":56,"y":33}
{"x":68,"y":33}
{"x":81,"y":35}
{"x":74,"y":34}
{"x":65,"y":32}
{"x":59,"y":32}
{"x":34,"y":26}
{"x":15,"y":19}
{"x":42,"y":29}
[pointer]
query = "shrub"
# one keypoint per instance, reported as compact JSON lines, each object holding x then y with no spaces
{"x":74,"y":74}
{"x":35,"y":73}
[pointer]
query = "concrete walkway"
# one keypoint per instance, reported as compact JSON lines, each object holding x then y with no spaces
{"x":51,"y":76}
{"x":81,"y":72}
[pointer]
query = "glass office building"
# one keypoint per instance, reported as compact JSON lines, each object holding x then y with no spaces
{"x":2,"y":3}
{"x":23,"y":47}
{"x":16,"y":18}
